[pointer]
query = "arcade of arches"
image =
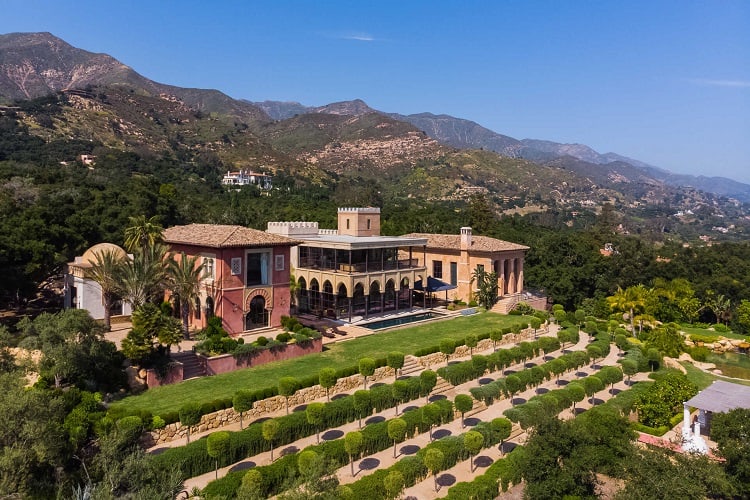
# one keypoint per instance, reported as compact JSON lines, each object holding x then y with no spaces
{"x":324,"y":300}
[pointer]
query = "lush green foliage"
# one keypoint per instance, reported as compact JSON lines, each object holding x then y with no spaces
{"x":664,"y":399}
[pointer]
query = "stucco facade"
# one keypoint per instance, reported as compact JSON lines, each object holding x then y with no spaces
{"x":247,"y":274}
{"x":454,"y":258}
{"x":81,"y":292}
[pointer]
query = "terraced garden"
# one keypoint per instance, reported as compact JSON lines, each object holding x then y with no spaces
{"x":161,"y":400}
{"x":497,"y":380}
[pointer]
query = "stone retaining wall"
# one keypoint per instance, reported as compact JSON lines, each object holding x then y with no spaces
{"x":275,"y":404}
{"x":261,"y":408}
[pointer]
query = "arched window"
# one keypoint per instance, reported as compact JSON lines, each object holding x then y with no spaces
{"x":209,"y":307}
{"x":197,"y":310}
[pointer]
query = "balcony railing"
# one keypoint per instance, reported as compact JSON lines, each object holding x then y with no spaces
{"x":358,"y":267}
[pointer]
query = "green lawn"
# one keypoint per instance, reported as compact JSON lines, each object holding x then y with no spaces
{"x":407,"y":340}
{"x":690,"y":330}
{"x":703,"y":379}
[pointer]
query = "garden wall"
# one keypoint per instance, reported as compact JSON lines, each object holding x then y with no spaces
{"x":228,"y":363}
{"x":173,"y":375}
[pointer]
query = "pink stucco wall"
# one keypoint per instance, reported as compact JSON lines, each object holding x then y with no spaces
{"x":227,"y":362}
{"x":173,"y":376}
{"x":232,"y":297}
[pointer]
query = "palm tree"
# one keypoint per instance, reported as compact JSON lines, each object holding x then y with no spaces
{"x":105,"y":271}
{"x":185,"y":275}
{"x":630,"y":300}
{"x":719,"y":305}
{"x":142,"y":233}
{"x":142,"y":277}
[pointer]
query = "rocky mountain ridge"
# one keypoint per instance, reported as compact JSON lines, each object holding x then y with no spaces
{"x":345,"y":138}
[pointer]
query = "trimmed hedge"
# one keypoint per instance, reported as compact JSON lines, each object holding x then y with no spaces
{"x":375,"y":439}
{"x":413,"y":469}
{"x":499,"y":475}
{"x":193,"y":460}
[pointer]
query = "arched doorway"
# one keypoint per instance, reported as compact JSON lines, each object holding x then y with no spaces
{"x":358,"y":300}
{"x":197,"y":311}
{"x":314,"y":295}
{"x":342,"y":302}
{"x":404,"y":295}
{"x":389,"y":297}
{"x":375,"y":302}
{"x":328,"y":298}
{"x":257,"y":317}
{"x":303,"y":299}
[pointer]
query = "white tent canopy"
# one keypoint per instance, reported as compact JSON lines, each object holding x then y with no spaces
{"x":721,"y":397}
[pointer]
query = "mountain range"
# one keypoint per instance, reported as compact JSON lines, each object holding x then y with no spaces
{"x":466,"y":134}
{"x":440,"y":156}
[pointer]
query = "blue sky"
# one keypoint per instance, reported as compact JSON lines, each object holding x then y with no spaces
{"x":665,"y":82}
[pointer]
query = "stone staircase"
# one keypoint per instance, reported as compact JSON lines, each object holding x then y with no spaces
{"x":506,"y":304}
{"x":441,"y":386}
{"x":191,"y":364}
{"x":411,"y":365}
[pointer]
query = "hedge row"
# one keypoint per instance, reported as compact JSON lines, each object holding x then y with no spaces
{"x":529,"y":377}
{"x":193,"y":460}
{"x":413,"y":469}
{"x":283,"y":471}
{"x":504,"y":472}
{"x":424,"y":351}
{"x":501,"y":474}
{"x":458,"y":373}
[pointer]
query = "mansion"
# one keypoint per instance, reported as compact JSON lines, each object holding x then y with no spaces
{"x":253,"y":278}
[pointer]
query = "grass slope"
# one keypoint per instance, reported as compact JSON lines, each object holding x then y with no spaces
{"x":170,"y":398}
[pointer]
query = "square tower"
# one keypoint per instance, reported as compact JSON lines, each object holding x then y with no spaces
{"x":363,"y":221}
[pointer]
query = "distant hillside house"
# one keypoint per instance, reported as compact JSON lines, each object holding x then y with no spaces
{"x":247,"y":281}
{"x":453,"y":258}
{"x":353,"y":272}
{"x":81,"y":292}
{"x":245,"y":178}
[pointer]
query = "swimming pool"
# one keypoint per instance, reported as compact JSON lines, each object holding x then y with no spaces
{"x":401,"y":320}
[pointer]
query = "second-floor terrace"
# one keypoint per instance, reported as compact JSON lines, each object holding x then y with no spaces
{"x":347,"y":254}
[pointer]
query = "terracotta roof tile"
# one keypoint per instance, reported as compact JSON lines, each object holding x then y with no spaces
{"x":221,"y":236}
{"x":478,"y":243}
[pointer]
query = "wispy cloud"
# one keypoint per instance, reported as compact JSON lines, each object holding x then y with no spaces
{"x":359,"y":36}
{"x":362,"y":37}
{"x":720,"y":83}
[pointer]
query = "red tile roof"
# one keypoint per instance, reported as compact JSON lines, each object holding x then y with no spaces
{"x":478,"y":243}
{"x":221,"y":236}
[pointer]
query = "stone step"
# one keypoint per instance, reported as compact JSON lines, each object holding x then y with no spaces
{"x":442,"y":386}
{"x":411,"y":365}
{"x":191,"y":365}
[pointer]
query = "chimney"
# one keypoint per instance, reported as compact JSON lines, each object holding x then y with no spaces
{"x":465,"y":238}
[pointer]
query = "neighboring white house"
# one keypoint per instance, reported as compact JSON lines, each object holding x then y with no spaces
{"x":245,"y":178}
{"x":84,"y":293}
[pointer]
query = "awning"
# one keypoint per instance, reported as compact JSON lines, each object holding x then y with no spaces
{"x":434,"y":285}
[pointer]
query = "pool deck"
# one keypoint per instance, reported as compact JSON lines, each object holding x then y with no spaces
{"x":338,"y":331}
